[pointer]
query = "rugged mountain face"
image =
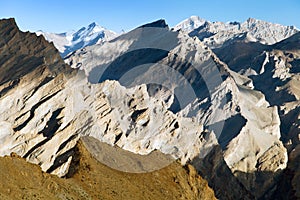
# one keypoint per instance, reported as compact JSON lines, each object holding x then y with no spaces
{"x":274,"y":70}
{"x":49,"y":112}
{"x":71,"y":41}
{"x":216,"y":34}
{"x":147,"y":90}
{"x":246,"y":126}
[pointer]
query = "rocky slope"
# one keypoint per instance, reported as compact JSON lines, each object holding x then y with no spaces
{"x":91,"y":179}
{"x":276,"y":65}
{"x":71,"y":41}
{"x":274,"y":70}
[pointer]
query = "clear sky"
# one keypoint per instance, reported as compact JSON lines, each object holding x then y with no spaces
{"x":64,"y":15}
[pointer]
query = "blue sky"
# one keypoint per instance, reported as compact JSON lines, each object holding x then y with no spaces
{"x":65,"y":15}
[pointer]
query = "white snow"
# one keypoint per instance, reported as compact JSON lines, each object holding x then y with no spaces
{"x":215,"y":34}
{"x":71,"y":41}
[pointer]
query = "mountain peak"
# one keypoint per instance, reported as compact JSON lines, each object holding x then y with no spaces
{"x":94,"y":25}
{"x":251,"y":20}
{"x":190,"y":23}
{"x":86,"y":36}
{"x":215,"y":34}
{"x":161,"y":23}
{"x":9,"y":22}
{"x":195,"y":18}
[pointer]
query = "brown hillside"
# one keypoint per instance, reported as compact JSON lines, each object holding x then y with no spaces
{"x":93,"y":180}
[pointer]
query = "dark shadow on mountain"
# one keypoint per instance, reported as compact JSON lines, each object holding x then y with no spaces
{"x":290,"y":129}
{"x":130,"y":60}
{"x":267,"y":84}
{"x":288,"y":186}
{"x":264,"y":185}
{"x":290,"y":43}
{"x":135,"y":58}
{"x":215,"y":170}
{"x":21,"y":66}
{"x":175,"y":106}
{"x":62,"y":159}
{"x":161,"y":23}
{"x":240,"y":55}
{"x":228,"y":129}
{"x":201,"y":34}
{"x":296,"y":66}
{"x":24,"y":52}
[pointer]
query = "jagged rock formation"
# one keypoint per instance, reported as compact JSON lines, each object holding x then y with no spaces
{"x":274,"y":70}
{"x":71,"y":41}
{"x":44,"y":119}
{"x":246,"y":126}
{"x":216,"y":34}
{"x":93,"y":180}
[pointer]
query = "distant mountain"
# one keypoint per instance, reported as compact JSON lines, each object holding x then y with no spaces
{"x":71,"y":41}
{"x":190,"y":24}
{"x":216,"y":34}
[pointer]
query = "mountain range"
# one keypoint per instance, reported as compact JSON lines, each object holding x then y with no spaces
{"x":220,"y":97}
{"x":213,"y":34}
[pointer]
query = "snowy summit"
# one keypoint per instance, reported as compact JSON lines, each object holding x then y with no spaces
{"x":68,"y":42}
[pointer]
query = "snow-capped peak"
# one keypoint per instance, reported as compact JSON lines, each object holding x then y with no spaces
{"x":93,"y":28}
{"x":86,"y":36}
{"x":190,"y":24}
{"x":215,"y":34}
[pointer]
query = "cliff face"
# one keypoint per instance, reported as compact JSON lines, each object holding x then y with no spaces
{"x":33,"y":75}
{"x":22,"y":53}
